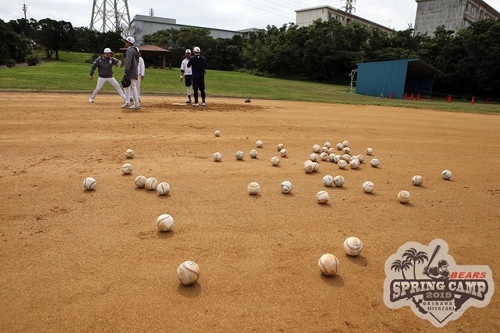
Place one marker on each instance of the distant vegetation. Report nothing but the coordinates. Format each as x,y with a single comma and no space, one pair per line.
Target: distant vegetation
326,51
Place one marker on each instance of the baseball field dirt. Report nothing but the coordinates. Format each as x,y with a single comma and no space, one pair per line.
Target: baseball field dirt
94,261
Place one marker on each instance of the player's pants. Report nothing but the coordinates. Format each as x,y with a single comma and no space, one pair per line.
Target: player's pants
100,83
131,91
139,80
199,83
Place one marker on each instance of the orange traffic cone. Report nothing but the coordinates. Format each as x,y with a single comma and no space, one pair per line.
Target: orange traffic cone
390,94
418,97
406,95
472,100
487,101
411,97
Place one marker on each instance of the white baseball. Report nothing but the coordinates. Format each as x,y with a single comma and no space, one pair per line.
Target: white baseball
316,148
374,162
151,183
165,222
140,181
217,133
324,149
417,180
368,186
361,158
259,144
404,196
446,174
129,153
354,163
275,161
217,156
342,164
280,146
327,145
353,246
328,264
313,157
338,181
346,150
345,143
89,183
284,152
323,156
337,158
331,158
286,187
127,168
346,157
322,197
328,180
331,150
163,188
315,166
309,167
369,151
253,153
188,272
239,155
340,146
253,188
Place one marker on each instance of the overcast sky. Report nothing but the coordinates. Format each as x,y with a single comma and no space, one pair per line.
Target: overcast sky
222,14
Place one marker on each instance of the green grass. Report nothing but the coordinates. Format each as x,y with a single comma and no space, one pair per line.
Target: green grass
71,74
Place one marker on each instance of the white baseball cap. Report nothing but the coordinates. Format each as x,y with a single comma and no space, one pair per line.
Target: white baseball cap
188,51
196,49
130,39
107,50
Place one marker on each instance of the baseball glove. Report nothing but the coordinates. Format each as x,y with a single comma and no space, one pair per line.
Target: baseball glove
125,81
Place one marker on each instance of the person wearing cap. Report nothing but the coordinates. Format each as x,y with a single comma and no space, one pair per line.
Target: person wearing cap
132,72
198,63
187,73
104,65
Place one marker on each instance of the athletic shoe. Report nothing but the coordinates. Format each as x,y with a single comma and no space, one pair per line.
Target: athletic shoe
91,100
196,104
125,105
203,104
188,101
135,106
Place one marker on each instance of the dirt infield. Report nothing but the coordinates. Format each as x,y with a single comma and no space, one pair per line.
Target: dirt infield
93,261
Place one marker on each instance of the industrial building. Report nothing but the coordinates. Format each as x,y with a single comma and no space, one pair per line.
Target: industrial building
453,14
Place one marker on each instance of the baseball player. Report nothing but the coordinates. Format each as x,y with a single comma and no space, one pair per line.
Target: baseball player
438,273
187,73
141,69
104,65
132,72
198,64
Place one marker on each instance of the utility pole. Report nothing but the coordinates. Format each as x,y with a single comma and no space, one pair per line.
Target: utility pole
109,15
25,10
349,6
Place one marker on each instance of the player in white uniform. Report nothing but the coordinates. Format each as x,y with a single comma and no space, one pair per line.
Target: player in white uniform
187,73
104,65
142,71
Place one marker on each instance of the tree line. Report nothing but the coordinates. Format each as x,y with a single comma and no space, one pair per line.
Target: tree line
326,51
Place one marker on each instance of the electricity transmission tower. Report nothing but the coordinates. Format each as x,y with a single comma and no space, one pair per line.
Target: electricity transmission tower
110,15
349,6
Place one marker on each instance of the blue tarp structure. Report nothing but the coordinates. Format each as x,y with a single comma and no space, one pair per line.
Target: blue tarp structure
398,77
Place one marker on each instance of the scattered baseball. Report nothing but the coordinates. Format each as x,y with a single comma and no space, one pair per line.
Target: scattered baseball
446,174
323,156
316,148
340,146
337,158
188,272
315,166
280,146
313,157
374,162
369,151
253,188
253,153
331,158
275,161
308,167
361,158
328,180
368,187
328,264
322,197
151,183
342,164
324,149
286,187
327,145
259,144
165,222
284,152
89,183
354,163
127,168
346,150
163,188
217,133
239,155
217,156
338,181
129,153
417,180
346,157
353,246
345,143
140,181
404,196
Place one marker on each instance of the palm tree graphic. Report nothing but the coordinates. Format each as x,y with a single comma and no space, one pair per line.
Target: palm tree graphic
417,257
401,266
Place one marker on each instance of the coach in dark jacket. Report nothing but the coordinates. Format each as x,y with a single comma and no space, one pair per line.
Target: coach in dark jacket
198,65
131,61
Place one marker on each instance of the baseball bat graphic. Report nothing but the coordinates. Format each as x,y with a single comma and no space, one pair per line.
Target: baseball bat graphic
436,250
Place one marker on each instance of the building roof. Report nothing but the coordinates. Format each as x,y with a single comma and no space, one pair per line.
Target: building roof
416,66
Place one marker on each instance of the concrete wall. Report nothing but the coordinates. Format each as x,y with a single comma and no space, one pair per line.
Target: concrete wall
305,18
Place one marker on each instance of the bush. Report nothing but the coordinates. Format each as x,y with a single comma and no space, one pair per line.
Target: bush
10,63
32,60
